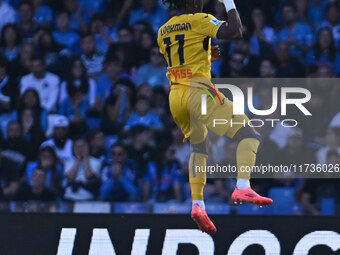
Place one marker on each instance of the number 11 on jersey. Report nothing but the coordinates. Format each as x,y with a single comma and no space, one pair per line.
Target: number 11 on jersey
180,38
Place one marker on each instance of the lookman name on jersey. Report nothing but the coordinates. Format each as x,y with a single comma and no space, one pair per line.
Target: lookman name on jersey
175,27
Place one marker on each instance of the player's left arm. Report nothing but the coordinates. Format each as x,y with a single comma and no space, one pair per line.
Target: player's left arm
233,29
212,27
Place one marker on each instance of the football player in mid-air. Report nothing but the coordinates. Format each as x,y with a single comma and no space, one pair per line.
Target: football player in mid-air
186,45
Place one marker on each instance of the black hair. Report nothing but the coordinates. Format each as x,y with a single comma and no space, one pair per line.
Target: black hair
50,150
111,59
330,6
125,27
292,5
71,88
119,144
4,30
64,11
85,35
177,4
92,134
26,3
38,58
332,50
37,109
138,129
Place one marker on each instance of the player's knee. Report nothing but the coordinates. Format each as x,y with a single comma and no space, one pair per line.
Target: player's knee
247,132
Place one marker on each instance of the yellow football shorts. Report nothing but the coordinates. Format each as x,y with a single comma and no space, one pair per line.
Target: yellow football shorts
185,106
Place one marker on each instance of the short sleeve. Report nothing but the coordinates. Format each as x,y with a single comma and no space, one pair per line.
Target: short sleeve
208,25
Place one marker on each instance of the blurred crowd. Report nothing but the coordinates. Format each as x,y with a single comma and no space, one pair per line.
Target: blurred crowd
84,99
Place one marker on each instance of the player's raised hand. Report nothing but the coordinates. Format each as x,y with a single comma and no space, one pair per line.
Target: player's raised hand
215,53
229,4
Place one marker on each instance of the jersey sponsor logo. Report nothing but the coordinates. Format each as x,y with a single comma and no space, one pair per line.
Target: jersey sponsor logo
175,27
216,22
181,73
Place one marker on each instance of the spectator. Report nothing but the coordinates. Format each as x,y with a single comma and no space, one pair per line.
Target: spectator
314,190
120,178
23,65
323,71
153,73
117,107
15,140
54,57
64,36
9,177
10,41
26,24
234,68
79,20
288,66
106,82
37,190
302,8
8,89
112,23
7,14
160,105
150,12
297,34
332,142
82,173
295,152
77,97
267,68
97,143
269,151
47,84
316,12
321,109
47,161
164,178
182,150
43,14
324,51
30,100
91,7
103,40
92,60
263,36
332,22
143,116
147,40
31,131
140,149
250,62
60,142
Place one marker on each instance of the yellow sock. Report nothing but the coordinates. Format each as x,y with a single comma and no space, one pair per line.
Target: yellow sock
197,179
246,156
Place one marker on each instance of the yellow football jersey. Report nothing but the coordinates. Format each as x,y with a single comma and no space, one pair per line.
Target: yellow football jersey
186,45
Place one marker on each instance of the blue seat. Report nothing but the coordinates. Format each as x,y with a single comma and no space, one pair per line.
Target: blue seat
249,209
284,200
217,208
172,208
130,208
328,206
